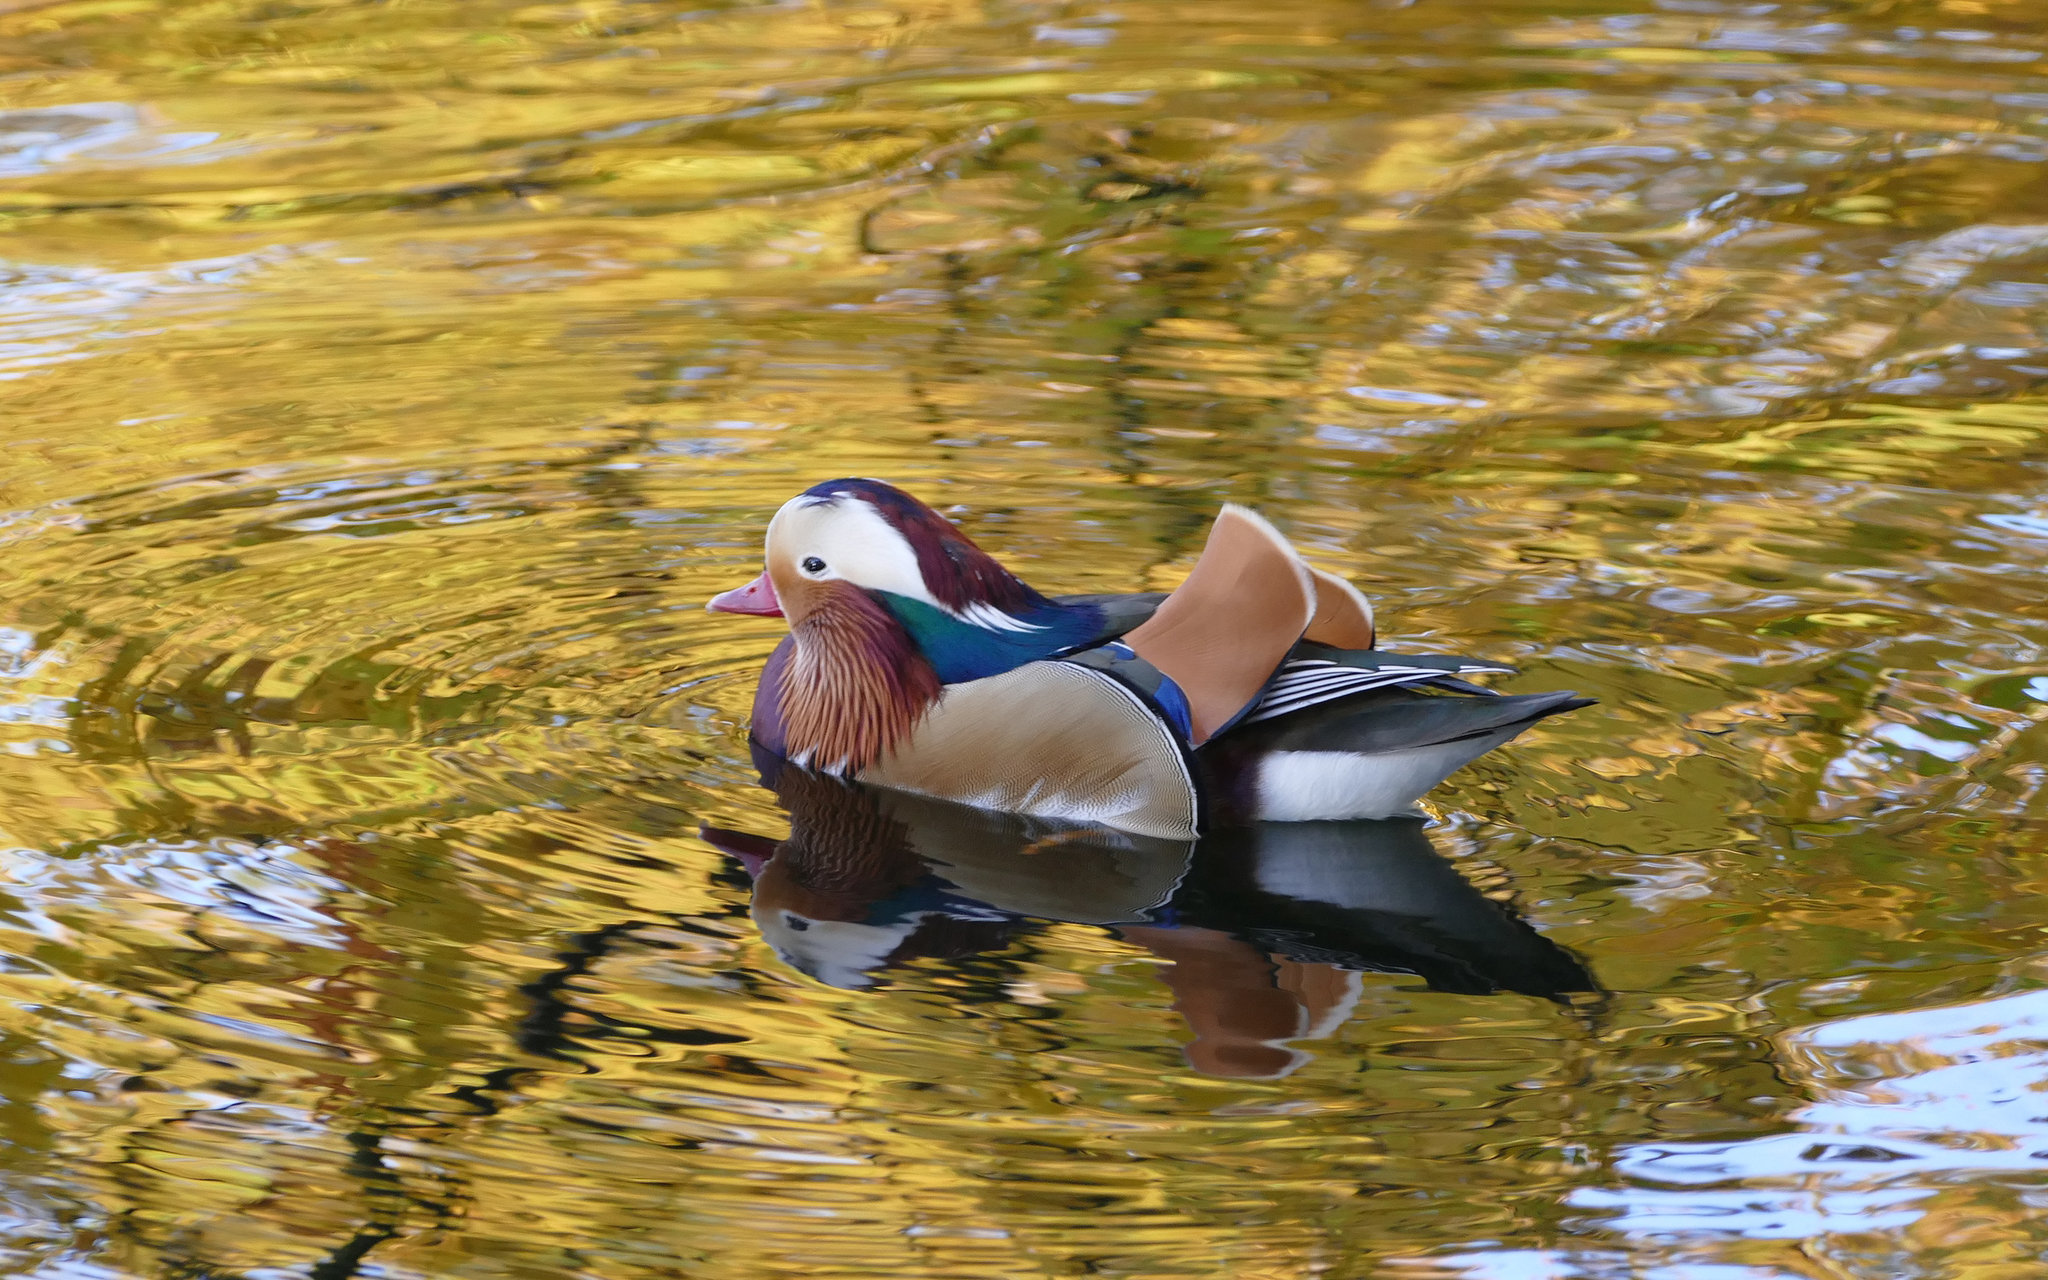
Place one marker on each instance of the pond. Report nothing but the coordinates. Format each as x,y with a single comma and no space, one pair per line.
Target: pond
387,890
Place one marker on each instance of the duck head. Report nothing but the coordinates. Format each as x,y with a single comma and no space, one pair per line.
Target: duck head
887,602
873,536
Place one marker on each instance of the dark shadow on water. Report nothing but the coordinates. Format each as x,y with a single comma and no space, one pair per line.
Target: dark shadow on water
1267,927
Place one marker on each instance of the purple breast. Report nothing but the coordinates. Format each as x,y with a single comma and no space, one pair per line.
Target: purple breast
768,731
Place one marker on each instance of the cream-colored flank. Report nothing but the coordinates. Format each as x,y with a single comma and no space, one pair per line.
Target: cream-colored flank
1052,739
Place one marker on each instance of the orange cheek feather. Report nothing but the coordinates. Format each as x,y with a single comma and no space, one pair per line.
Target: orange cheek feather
856,684
800,596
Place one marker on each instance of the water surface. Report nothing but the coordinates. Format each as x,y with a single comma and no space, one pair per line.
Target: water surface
387,891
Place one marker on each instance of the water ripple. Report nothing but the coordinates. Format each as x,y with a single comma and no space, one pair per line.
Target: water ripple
385,887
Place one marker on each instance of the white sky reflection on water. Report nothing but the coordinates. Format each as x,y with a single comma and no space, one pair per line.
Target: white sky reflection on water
1905,1103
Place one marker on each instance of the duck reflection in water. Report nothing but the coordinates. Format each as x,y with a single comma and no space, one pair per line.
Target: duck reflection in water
1266,927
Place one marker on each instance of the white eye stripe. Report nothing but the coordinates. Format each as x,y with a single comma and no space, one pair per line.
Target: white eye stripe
854,542
851,541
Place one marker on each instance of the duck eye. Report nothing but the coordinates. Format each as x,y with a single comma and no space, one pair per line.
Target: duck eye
813,565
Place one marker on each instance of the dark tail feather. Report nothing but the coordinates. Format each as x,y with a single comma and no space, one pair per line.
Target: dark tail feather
1542,706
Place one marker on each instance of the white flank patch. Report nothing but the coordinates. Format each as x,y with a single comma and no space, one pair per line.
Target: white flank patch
1310,786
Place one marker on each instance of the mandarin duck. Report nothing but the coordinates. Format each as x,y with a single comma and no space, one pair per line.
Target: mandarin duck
1252,692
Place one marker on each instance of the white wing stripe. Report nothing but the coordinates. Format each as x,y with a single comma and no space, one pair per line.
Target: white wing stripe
994,619
1306,682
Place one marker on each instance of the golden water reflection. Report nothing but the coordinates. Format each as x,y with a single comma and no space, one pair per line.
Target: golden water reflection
387,385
